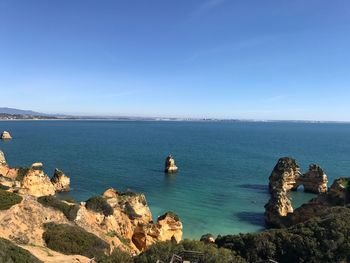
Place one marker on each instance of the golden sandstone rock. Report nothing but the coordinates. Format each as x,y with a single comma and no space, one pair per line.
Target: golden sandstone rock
5,135
36,183
285,177
170,166
60,181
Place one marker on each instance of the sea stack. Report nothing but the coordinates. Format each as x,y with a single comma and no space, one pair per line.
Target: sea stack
170,166
5,135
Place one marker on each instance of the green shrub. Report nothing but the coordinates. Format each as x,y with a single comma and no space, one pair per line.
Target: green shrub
22,171
117,256
8,199
71,240
165,250
159,251
325,239
99,205
70,211
11,253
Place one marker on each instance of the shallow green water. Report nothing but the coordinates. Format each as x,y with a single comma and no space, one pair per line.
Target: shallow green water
221,186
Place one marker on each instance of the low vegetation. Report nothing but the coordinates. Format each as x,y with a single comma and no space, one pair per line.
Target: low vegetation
70,240
11,253
22,171
99,204
69,210
325,239
165,250
8,199
117,256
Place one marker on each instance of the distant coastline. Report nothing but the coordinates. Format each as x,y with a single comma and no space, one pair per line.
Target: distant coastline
100,118
11,114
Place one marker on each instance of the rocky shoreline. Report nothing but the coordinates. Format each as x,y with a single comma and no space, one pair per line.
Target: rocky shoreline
33,218
121,219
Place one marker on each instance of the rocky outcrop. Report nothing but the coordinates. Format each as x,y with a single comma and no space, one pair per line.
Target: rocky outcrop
168,227
279,211
278,206
36,183
282,179
286,176
5,171
33,180
130,226
2,158
60,181
5,135
170,166
314,180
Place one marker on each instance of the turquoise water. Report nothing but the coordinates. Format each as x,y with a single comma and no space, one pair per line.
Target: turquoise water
221,186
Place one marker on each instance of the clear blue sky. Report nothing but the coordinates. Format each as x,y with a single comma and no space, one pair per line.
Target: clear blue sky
181,58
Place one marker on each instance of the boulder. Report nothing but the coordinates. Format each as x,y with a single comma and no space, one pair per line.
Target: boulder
5,135
60,181
170,166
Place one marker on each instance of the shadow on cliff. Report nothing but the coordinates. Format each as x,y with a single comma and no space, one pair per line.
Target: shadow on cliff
260,188
254,218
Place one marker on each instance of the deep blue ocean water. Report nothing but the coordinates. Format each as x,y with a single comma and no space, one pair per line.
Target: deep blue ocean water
221,186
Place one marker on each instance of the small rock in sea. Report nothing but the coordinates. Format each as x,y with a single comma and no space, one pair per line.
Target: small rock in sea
5,135
37,166
170,166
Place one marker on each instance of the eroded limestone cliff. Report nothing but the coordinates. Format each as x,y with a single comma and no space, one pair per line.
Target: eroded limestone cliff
122,219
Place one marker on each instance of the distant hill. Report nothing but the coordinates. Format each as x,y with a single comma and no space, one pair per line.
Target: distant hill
21,112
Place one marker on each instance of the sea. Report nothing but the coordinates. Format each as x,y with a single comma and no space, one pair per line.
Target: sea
221,185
